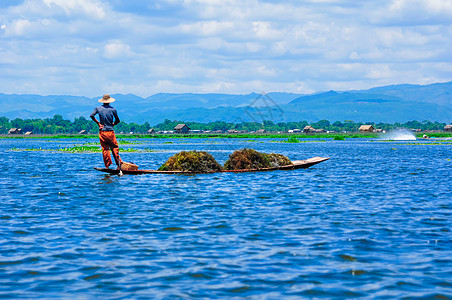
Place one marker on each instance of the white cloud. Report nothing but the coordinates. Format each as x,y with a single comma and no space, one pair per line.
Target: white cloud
428,6
20,27
95,9
379,72
415,12
207,28
88,7
116,50
264,30
223,46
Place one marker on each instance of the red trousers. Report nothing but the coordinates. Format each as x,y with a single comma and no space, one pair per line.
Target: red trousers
108,142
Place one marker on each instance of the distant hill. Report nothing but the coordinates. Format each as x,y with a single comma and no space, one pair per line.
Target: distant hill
438,93
384,104
394,103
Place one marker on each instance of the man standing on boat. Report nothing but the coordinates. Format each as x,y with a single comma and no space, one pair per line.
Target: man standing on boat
108,117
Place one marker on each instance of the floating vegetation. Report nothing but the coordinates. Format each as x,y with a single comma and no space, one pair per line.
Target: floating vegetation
88,144
429,143
191,161
252,159
357,272
124,142
338,138
82,149
292,139
348,257
298,141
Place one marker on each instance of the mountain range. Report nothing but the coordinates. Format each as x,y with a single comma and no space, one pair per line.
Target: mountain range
394,103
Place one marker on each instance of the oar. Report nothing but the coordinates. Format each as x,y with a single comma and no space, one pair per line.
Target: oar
120,169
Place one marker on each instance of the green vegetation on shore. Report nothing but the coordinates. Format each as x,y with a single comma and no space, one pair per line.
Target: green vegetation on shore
66,128
289,136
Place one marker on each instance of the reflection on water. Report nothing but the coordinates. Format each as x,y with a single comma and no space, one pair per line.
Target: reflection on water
107,179
373,221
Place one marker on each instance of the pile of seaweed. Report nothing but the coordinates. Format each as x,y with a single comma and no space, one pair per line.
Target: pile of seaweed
252,159
203,162
191,161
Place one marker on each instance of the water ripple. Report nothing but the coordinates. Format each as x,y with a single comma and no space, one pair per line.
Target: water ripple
372,222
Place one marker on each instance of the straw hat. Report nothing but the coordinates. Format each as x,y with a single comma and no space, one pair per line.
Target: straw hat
107,99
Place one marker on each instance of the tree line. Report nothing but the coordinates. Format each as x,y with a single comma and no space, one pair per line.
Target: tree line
59,125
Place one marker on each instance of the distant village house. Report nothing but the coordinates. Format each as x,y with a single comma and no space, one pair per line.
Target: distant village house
366,128
151,131
29,133
310,129
15,131
448,128
181,128
83,132
294,130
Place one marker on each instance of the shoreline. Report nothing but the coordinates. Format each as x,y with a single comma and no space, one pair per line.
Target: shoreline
224,135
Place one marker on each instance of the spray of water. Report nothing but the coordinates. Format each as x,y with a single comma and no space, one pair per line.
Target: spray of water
399,135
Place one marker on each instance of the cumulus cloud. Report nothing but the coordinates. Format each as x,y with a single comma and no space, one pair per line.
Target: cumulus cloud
116,50
20,27
415,12
91,8
229,46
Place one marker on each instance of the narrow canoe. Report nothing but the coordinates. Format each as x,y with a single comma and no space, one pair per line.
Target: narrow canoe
297,164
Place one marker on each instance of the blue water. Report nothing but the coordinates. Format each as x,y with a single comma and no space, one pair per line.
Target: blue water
374,221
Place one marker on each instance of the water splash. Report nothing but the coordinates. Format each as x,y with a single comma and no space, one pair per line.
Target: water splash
399,135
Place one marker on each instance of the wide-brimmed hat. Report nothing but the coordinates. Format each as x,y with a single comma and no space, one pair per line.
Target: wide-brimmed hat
107,99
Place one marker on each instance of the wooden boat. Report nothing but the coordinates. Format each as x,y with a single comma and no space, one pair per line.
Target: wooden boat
296,164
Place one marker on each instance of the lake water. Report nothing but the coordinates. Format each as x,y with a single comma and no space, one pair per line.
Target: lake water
374,221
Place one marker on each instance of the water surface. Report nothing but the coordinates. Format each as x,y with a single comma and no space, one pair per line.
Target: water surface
374,221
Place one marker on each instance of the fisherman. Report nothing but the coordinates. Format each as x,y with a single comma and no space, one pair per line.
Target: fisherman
108,117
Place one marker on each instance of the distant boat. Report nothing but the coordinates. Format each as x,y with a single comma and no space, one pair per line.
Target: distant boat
296,164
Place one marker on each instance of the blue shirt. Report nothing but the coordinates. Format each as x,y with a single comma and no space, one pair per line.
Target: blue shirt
107,116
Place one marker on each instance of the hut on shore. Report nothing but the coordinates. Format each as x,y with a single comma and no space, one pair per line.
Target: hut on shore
151,131
15,131
181,128
28,133
366,128
448,128
310,129
83,132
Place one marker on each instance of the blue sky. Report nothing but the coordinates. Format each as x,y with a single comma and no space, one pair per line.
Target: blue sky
90,47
